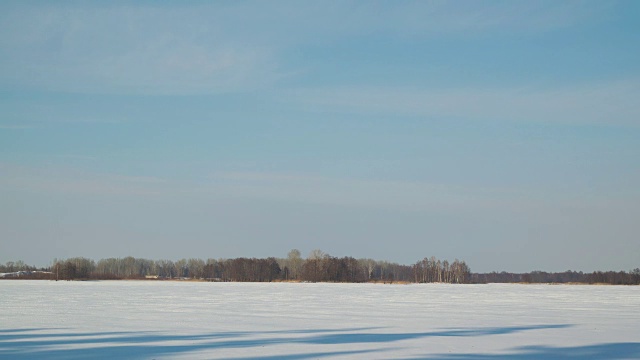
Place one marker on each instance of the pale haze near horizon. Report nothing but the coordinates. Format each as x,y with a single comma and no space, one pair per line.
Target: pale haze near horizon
505,134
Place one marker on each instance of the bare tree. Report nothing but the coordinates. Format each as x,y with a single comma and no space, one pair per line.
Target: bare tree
294,263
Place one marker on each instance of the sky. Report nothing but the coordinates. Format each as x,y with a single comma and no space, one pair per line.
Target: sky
502,133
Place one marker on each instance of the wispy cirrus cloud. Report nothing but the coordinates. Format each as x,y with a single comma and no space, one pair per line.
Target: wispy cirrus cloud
335,191
43,122
473,19
76,157
16,127
362,193
216,48
71,180
256,186
127,50
612,103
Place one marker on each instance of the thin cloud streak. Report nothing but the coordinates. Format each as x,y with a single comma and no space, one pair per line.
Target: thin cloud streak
411,196
278,187
148,49
77,157
17,127
70,180
609,104
138,55
397,195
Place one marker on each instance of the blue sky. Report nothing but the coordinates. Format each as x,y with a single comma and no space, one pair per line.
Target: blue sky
504,133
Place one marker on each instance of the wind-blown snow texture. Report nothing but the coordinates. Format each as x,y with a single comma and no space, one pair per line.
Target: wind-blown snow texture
161,319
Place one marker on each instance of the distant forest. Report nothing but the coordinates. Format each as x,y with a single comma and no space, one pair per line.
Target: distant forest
317,267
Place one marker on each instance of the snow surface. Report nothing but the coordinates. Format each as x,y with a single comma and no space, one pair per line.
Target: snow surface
164,319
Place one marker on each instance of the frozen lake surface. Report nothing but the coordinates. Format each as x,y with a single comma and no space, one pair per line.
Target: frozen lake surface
162,319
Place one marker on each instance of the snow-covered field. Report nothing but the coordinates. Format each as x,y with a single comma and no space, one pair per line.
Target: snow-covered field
162,319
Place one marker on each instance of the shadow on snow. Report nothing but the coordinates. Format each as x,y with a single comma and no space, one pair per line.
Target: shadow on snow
609,351
42,343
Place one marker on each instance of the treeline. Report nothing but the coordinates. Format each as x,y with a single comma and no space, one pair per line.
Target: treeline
15,266
317,267
542,277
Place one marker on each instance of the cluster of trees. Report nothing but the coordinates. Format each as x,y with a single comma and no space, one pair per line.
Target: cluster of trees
317,267
434,270
539,277
15,266
611,277
18,269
